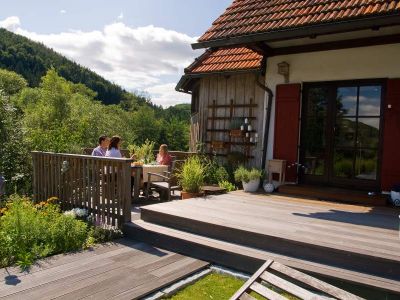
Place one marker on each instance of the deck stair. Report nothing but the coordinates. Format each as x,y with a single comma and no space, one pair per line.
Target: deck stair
334,194
243,232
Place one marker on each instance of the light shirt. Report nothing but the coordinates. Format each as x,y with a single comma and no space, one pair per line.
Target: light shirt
99,151
113,152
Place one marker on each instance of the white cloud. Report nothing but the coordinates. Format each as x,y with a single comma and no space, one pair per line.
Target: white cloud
136,58
63,11
10,23
121,16
166,95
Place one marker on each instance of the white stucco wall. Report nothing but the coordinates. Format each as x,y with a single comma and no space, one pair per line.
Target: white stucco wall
347,64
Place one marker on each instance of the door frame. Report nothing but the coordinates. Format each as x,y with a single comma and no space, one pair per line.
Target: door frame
328,178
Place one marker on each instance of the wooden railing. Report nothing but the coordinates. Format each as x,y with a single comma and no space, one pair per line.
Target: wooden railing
101,185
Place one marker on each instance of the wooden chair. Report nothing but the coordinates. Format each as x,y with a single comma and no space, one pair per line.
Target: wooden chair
281,277
166,182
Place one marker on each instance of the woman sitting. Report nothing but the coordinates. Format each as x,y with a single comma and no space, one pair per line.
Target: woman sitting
114,147
163,157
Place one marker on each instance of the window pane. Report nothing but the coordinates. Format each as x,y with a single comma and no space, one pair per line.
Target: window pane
317,101
366,164
314,133
345,132
314,162
346,102
368,132
343,163
369,101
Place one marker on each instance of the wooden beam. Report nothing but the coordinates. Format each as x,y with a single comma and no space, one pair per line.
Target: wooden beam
343,44
261,48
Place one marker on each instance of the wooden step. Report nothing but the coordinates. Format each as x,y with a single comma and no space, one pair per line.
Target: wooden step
362,259
334,194
249,259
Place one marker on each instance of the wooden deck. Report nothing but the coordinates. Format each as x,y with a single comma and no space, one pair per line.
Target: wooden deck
123,270
353,243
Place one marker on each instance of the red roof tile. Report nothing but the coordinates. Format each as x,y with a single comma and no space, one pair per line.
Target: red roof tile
226,59
246,17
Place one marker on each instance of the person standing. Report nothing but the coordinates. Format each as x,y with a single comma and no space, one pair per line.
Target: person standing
101,149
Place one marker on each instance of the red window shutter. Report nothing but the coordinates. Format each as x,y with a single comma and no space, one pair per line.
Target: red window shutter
286,137
390,171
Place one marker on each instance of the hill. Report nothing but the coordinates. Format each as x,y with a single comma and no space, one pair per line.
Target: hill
32,60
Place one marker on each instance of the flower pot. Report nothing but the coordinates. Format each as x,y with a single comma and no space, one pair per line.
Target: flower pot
395,198
187,195
251,186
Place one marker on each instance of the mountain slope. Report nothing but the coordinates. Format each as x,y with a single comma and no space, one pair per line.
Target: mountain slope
32,60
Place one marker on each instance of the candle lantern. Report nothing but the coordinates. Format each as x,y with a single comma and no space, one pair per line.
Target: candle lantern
249,128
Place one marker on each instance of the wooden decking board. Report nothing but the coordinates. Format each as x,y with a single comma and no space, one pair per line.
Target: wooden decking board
235,207
247,259
329,193
195,222
112,271
268,219
78,272
56,261
162,281
232,215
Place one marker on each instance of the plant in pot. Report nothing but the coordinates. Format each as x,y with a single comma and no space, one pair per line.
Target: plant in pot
234,127
191,177
250,178
395,195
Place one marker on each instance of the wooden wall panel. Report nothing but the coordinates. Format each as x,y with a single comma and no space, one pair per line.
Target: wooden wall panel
240,88
390,171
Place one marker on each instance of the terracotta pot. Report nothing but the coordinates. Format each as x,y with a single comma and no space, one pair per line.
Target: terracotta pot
186,195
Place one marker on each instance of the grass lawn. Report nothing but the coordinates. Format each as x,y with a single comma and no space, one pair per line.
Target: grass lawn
213,286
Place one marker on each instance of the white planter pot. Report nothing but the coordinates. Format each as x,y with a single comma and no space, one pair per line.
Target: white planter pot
395,196
251,186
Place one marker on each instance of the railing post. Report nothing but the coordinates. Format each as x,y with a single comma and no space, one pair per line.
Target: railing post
127,192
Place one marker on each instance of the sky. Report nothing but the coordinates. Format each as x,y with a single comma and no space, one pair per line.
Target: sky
142,45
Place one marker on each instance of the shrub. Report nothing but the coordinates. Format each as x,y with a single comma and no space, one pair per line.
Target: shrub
246,175
213,172
191,176
144,153
29,231
228,186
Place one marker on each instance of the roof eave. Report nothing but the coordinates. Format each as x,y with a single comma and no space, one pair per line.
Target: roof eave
305,31
185,79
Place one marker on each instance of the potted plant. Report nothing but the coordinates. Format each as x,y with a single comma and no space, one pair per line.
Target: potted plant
250,178
395,195
191,178
234,127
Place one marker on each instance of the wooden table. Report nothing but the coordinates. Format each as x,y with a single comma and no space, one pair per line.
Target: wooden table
140,172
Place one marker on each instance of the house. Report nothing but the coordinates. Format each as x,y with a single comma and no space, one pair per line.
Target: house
317,81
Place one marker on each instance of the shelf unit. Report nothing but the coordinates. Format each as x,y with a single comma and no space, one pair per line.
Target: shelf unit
226,144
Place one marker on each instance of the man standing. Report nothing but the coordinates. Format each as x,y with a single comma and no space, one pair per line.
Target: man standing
101,149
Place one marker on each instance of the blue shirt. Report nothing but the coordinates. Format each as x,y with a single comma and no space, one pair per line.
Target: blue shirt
98,151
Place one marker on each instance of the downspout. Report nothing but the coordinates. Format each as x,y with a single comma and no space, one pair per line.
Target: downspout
268,120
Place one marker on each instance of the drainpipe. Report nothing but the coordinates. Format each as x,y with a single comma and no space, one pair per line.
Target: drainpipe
268,120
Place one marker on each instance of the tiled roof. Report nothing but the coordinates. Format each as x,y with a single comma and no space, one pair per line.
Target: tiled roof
226,59
246,17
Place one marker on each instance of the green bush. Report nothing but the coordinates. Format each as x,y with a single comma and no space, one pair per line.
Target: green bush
246,175
191,176
144,153
213,172
228,186
29,231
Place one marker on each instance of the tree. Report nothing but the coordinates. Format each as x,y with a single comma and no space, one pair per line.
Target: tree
11,83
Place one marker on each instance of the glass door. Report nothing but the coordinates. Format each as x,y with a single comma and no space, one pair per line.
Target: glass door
340,137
